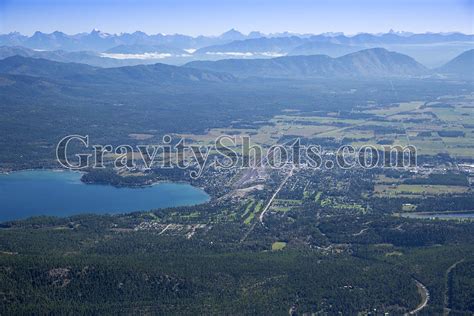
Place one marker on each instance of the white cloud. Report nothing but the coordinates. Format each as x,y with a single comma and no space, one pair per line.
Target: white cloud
137,56
247,54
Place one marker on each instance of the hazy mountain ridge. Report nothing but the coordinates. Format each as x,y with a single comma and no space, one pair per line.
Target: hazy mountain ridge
139,49
369,63
82,57
155,74
430,49
263,44
324,48
37,67
286,44
376,62
461,66
100,41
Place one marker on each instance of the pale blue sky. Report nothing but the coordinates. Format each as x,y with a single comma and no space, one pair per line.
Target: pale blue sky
213,17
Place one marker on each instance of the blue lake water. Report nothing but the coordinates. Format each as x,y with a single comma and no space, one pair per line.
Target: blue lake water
41,192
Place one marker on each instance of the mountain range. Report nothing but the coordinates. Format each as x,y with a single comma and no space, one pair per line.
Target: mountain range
375,62
82,57
155,74
431,49
364,64
100,41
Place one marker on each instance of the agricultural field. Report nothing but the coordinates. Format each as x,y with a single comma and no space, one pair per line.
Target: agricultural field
405,189
445,126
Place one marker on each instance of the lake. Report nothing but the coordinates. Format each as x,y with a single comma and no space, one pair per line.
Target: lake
61,193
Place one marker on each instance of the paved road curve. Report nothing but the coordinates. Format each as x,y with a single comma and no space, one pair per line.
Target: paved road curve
425,297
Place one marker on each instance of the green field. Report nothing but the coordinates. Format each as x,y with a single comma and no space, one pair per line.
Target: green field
416,189
278,245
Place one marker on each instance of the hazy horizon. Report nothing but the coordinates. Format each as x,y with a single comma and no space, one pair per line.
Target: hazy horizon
192,17
244,33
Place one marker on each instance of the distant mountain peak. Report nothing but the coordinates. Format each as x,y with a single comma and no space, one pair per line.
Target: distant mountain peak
232,34
399,33
99,33
231,31
139,33
255,34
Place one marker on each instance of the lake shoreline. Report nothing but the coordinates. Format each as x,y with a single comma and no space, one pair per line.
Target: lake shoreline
29,193
124,185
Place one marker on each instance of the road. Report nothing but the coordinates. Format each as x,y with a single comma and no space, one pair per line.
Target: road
268,205
165,229
446,309
361,232
425,297
275,194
